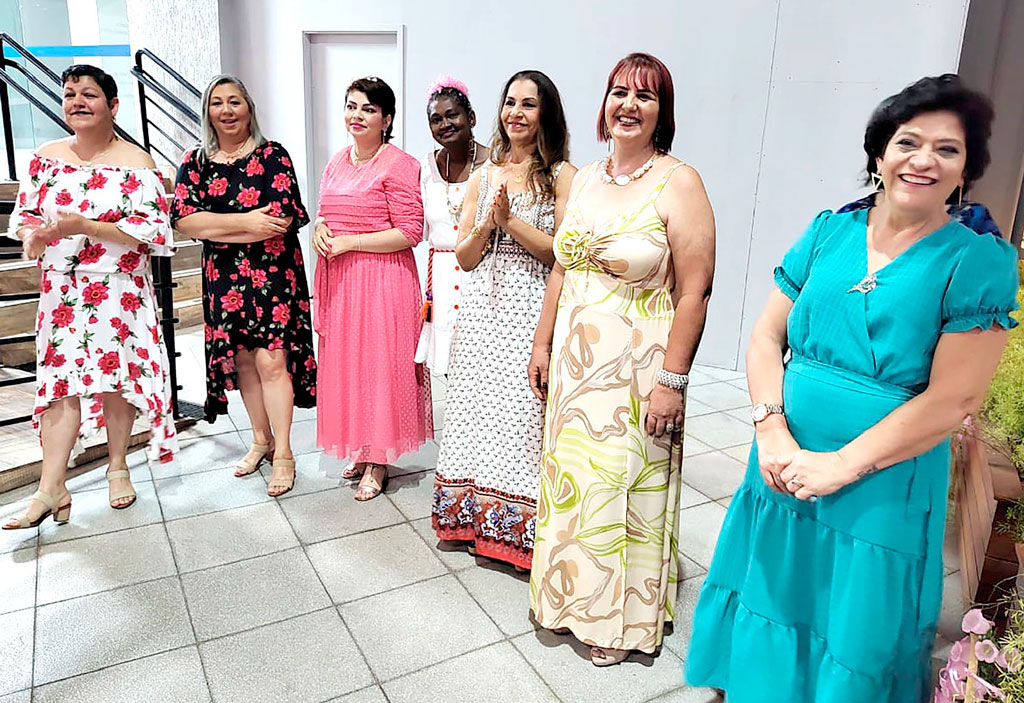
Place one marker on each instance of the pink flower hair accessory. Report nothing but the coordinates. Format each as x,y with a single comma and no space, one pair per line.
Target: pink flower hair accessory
446,81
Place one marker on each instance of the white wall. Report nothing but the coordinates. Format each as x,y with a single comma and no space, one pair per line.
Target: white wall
772,95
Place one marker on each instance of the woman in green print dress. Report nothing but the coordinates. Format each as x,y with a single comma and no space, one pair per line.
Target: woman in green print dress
827,578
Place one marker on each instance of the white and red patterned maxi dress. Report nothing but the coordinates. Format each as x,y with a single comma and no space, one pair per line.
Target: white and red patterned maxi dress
98,328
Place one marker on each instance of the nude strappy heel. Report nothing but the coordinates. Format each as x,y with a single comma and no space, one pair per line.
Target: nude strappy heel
123,493
279,486
58,506
245,467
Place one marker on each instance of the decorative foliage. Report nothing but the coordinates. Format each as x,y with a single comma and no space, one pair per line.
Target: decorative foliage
1003,411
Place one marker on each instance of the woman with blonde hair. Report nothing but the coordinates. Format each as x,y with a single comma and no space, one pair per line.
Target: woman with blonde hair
238,194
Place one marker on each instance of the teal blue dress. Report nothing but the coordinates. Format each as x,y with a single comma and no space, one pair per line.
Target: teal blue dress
837,601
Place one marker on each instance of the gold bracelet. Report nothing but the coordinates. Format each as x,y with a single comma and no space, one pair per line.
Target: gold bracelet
479,233
359,242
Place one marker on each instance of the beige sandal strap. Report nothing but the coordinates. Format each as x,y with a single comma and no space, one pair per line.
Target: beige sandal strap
124,493
285,463
257,447
51,502
118,473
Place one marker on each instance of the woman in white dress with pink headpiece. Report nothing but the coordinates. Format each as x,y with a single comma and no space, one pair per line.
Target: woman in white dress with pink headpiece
443,176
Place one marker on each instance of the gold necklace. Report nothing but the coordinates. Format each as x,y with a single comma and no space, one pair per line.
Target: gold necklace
517,174
356,159
455,210
229,156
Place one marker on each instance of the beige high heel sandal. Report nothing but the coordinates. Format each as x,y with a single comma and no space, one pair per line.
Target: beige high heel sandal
279,486
245,467
124,492
58,506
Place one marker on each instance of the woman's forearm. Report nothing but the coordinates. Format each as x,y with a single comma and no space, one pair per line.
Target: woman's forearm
910,430
549,310
108,232
533,240
684,336
213,225
382,242
469,250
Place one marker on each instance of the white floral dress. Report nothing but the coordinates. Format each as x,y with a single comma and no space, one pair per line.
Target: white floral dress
98,328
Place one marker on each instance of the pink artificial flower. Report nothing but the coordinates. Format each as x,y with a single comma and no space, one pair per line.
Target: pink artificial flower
986,651
1010,660
975,623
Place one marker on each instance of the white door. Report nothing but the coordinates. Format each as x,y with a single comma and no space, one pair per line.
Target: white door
333,60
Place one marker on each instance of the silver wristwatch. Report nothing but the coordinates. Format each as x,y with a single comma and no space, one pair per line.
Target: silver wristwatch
675,381
762,410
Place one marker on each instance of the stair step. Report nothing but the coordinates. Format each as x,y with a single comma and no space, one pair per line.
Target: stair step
190,284
9,190
188,312
17,317
19,277
189,254
18,354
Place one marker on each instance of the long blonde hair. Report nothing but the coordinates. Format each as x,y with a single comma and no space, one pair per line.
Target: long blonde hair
208,134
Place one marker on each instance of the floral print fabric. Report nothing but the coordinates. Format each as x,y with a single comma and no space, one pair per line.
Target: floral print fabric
97,326
255,295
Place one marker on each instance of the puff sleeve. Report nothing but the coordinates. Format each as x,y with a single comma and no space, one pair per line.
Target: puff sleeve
148,218
982,290
792,273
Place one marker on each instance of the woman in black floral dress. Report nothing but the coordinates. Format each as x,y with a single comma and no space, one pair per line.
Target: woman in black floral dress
238,193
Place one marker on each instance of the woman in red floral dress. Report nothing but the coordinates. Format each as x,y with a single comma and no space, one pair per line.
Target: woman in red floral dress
238,193
92,213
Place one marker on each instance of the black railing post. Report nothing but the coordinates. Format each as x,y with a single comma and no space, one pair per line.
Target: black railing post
164,284
5,108
142,105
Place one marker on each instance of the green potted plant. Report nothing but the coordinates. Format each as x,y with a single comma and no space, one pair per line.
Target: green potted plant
1002,415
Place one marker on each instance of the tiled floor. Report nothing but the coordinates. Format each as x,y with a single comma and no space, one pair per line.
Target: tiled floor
207,589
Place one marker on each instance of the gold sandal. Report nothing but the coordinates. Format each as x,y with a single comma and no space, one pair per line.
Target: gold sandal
124,492
58,506
279,486
244,468
368,492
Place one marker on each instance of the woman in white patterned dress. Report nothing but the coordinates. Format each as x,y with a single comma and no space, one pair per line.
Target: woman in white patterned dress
485,489
444,174
92,212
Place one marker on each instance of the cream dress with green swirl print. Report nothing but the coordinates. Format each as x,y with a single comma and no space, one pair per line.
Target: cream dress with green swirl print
604,564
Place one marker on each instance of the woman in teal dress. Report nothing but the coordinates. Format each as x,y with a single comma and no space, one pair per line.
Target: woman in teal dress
827,577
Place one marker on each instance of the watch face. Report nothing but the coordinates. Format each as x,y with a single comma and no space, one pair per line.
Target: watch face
758,412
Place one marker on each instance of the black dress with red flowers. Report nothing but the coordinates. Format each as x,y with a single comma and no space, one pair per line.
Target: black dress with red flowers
255,295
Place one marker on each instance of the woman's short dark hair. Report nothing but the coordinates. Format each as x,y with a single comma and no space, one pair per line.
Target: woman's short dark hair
103,79
934,94
380,94
647,71
552,133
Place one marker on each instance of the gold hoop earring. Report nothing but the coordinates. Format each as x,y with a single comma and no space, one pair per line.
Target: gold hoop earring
876,181
960,196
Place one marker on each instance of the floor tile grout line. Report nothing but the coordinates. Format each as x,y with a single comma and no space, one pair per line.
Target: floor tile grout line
111,666
335,606
181,588
35,621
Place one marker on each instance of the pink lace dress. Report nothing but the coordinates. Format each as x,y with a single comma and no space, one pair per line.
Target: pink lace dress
98,329
373,399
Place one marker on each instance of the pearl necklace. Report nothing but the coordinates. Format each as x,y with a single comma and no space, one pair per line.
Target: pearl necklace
356,159
624,179
455,210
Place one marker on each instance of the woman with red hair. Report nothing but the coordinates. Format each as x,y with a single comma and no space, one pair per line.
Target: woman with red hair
623,313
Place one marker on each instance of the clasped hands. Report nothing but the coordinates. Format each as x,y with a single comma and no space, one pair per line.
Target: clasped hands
329,246
806,475
34,243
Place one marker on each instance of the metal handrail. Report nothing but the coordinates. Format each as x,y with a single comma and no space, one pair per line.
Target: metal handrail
170,71
11,63
144,78
54,117
28,56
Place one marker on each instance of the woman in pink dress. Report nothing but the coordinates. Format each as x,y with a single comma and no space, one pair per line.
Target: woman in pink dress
373,400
